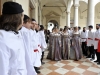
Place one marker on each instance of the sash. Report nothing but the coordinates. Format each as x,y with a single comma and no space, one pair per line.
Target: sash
36,50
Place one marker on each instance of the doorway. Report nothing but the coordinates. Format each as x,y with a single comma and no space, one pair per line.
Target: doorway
52,24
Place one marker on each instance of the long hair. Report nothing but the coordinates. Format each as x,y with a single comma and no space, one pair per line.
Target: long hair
41,27
10,22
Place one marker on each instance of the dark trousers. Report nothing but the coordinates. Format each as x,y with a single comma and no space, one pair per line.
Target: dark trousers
98,53
42,56
84,48
36,69
92,52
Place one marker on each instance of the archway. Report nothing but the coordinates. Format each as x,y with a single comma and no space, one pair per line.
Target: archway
52,24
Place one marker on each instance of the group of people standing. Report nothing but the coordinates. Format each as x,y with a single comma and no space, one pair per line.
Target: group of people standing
74,43
65,44
22,42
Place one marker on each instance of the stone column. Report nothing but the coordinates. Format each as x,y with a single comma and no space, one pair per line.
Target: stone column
90,13
36,12
40,16
68,19
76,14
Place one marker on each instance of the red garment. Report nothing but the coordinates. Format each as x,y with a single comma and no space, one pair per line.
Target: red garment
90,39
98,50
36,50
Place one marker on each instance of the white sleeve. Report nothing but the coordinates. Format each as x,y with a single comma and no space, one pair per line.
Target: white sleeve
43,42
87,34
81,35
4,59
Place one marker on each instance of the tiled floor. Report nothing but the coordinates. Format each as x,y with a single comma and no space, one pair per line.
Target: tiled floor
69,67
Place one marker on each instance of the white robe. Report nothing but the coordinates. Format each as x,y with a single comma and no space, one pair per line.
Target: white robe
80,31
13,56
97,35
38,39
34,46
90,35
27,43
43,42
84,35
26,38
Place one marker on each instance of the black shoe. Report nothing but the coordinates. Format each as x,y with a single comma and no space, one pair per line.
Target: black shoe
38,68
98,63
38,72
42,63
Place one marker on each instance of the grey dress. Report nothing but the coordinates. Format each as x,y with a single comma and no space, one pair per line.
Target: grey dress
65,46
76,51
55,50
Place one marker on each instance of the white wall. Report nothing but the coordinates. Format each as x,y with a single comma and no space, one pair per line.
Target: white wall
25,5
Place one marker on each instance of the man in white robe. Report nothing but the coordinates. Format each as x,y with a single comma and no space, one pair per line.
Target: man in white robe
43,42
96,41
34,45
90,42
25,32
84,36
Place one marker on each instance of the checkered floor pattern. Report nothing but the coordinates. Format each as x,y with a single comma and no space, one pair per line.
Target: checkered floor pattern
69,67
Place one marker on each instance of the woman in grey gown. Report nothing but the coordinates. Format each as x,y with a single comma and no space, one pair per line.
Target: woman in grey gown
50,48
76,52
65,44
55,50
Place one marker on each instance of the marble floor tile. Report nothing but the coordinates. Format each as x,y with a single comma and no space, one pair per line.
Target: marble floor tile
59,64
69,67
61,71
93,69
78,70
89,73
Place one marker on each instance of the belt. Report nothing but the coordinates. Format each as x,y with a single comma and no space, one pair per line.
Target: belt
97,39
90,38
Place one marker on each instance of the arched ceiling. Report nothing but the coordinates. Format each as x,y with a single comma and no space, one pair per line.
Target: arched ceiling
66,6
58,4
45,2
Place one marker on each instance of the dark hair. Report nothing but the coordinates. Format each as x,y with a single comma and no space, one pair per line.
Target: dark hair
65,29
75,28
41,27
33,19
98,24
84,27
10,22
90,26
79,27
61,29
26,19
